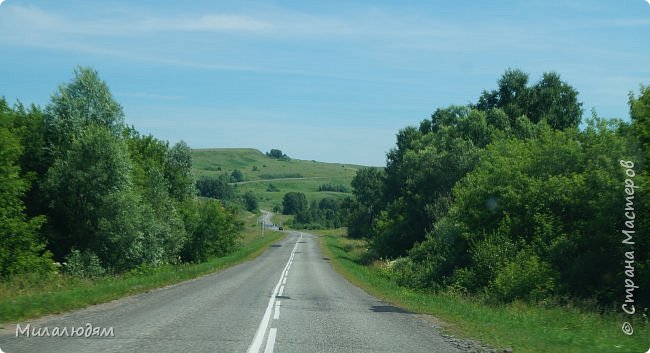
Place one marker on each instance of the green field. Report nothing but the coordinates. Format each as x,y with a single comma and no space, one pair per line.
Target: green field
256,166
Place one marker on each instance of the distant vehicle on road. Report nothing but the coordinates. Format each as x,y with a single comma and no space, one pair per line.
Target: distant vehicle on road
280,228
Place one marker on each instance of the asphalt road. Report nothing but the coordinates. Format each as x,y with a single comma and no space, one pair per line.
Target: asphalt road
287,300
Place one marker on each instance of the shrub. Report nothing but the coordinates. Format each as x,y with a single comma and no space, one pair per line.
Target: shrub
527,278
333,187
83,264
214,232
217,188
250,201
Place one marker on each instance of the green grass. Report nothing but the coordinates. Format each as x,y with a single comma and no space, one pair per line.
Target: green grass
208,161
27,298
526,328
309,187
217,161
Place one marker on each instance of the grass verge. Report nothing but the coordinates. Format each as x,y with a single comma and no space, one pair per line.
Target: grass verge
26,298
525,328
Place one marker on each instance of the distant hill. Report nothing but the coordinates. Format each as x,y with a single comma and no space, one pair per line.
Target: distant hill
261,171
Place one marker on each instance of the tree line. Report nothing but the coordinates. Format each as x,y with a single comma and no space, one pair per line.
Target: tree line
327,212
82,191
510,198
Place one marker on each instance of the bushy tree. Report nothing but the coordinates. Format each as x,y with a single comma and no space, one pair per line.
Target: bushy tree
237,176
421,172
216,188
294,202
213,231
333,187
114,199
640,135
162,228
555,199
178,172
556,102
640,115
549,99
325,213
21,249
277,154
367,188
34,161
87,189
250,201
84,101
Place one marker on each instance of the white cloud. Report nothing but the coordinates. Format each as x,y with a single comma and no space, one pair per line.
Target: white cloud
147,95
392,38
207,23
33,19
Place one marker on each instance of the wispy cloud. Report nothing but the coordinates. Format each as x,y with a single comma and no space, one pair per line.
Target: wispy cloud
390,37
31,18
148,95
276,23
207,23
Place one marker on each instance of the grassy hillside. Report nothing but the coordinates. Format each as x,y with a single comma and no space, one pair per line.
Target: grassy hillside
257,168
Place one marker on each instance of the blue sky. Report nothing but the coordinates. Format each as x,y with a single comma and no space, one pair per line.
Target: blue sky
326,80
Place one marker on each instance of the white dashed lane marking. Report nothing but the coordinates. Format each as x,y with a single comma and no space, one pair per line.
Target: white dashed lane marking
278,290
276,314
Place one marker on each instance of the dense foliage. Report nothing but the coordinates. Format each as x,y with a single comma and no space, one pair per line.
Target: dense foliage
324,213
216,188
277,154
81,188
508,197
333,187
22,248
294,203
237,176
250,201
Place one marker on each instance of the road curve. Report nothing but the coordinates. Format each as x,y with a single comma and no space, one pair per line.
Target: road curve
287,300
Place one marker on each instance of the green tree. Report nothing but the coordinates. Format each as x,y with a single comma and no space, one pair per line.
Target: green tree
274,153
21,249
546,206
86,189
294,202
162,228
367,188
214,232
237,176
216,188
640,115
250,201
325,213
556,102
512,94
550,99
277,154
640,136
84,101
178,172
420,174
